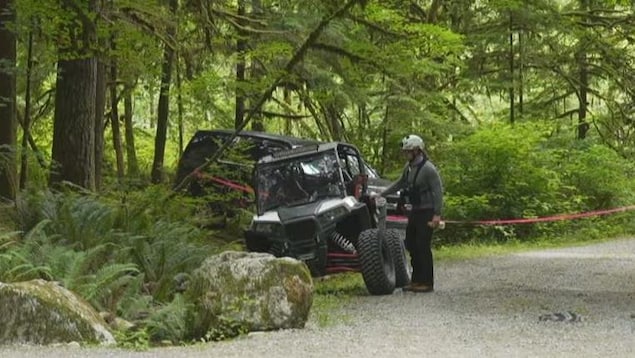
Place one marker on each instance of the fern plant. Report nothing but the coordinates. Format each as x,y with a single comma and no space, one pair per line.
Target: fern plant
121,253
22,260
168,322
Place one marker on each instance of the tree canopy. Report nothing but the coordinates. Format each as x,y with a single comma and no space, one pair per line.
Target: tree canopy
374,71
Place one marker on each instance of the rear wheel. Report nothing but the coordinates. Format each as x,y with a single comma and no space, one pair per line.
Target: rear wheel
377,266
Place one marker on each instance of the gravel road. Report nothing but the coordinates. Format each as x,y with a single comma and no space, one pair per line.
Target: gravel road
488,307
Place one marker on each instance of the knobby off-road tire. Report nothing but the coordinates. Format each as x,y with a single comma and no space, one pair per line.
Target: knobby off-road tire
377,266
398,252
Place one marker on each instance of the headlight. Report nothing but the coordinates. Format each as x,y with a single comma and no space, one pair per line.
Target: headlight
331,215
267,228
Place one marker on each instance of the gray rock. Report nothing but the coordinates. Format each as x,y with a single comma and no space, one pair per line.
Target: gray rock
253,290
42,312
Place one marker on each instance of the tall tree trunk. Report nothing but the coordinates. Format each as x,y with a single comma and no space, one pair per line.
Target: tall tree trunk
8,119
74,124
583,125
581,57
114,118
241,47
26,126
100,98
255,70
131,154
433,12
511,69
333,115
384,139
163,110
100,107
521,69
179,102
152,107
75,105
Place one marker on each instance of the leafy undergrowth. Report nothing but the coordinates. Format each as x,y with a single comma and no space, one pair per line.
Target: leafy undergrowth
123,252
6,221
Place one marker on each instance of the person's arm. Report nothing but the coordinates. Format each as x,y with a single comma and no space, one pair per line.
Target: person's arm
436,187
395,186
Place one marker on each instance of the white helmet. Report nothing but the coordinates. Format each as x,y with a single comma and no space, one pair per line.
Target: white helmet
412,142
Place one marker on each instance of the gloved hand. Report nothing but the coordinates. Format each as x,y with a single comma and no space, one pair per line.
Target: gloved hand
436,222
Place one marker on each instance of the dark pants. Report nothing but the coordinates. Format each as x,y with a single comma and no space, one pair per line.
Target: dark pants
418,243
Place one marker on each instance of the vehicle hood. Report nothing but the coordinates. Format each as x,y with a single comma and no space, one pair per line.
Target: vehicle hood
284,214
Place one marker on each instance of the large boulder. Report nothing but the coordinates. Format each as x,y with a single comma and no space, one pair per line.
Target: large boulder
42,312
256,291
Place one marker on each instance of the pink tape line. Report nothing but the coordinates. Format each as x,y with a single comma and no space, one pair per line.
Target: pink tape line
398,218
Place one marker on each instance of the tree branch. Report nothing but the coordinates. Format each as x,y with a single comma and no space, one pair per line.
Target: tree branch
235,17
354,57
340,51
295,59
456,110
376,27
133,18
284,115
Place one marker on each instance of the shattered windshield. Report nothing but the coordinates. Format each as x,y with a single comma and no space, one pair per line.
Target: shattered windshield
298,181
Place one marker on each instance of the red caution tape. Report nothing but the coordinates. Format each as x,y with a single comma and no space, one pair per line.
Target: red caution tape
403,219
225,182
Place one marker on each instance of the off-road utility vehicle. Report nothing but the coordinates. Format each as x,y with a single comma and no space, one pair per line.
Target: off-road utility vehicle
313,204
232,173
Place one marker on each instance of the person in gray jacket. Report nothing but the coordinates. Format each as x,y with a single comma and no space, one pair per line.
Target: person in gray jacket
422,186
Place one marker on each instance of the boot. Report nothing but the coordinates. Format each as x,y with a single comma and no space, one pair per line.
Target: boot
420,287
408,287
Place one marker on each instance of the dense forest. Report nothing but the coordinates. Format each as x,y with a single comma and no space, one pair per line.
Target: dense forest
525,106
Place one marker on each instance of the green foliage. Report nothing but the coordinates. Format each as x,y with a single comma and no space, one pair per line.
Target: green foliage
135,339
601,178
341,284
22,262
522,171
501,167
226,328
40,255
122,254
168,322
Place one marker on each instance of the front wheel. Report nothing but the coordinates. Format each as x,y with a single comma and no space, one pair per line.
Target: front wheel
376,261
398,251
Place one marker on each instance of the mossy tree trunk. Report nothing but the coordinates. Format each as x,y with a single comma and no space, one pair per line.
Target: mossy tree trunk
8,121
131,153
100,105
114,116
73,151
163,110
583,79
